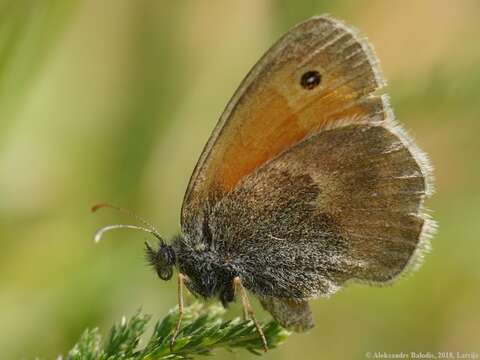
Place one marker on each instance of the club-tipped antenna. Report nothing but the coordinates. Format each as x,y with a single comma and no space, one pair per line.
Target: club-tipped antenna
148,227
99,233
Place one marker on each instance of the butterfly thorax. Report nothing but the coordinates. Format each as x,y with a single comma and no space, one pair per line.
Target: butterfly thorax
208,273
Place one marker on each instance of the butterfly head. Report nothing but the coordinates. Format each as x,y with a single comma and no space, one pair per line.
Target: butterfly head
162,259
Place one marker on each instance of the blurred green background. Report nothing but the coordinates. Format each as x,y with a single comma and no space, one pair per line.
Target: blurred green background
113,101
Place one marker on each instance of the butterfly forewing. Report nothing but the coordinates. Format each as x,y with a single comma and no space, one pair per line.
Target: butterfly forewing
273,109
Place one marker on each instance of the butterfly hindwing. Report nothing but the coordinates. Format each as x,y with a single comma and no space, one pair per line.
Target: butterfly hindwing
344,204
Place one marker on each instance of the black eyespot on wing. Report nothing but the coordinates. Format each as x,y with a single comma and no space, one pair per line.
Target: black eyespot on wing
311,79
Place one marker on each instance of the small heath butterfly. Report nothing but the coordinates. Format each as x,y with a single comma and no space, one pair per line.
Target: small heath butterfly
307,183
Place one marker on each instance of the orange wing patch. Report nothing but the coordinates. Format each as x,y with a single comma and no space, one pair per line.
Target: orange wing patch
256,141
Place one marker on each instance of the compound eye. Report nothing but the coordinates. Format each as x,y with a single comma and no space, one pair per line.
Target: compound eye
165,273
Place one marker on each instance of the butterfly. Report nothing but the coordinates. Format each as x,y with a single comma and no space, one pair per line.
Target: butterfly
307,183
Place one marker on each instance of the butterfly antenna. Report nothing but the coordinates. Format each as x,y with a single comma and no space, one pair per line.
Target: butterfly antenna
99,233
148,227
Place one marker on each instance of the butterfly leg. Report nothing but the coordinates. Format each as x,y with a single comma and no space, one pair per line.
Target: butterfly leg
247,310
181,279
